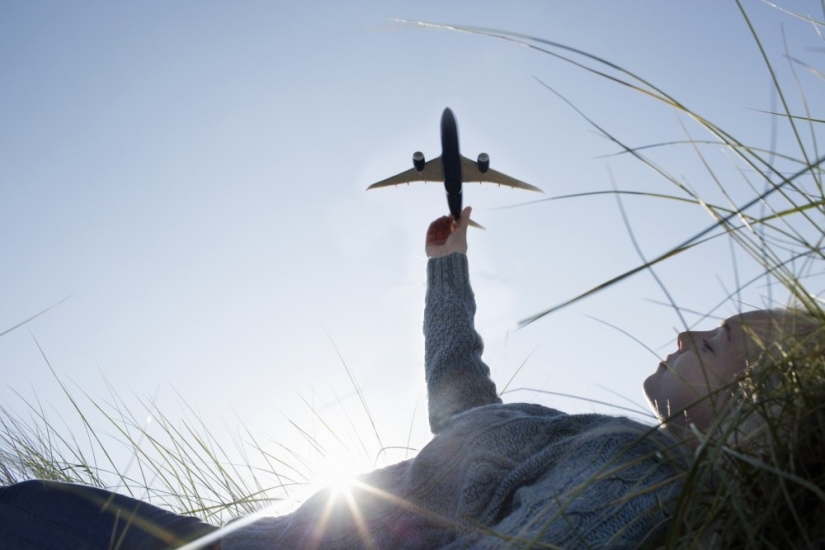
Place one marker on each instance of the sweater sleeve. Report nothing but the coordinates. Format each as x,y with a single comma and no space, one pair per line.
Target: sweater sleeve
457,378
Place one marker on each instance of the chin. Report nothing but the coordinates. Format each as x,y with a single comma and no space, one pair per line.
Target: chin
648,386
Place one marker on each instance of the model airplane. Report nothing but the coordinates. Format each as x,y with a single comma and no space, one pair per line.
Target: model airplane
453,169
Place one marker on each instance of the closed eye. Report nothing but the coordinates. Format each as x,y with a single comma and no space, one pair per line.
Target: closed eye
706,345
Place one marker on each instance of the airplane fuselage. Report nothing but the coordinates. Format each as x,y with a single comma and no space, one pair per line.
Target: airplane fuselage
451,162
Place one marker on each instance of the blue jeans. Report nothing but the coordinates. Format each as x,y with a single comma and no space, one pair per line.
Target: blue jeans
53,515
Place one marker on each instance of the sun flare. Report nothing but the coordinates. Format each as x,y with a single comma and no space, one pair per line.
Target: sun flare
338,473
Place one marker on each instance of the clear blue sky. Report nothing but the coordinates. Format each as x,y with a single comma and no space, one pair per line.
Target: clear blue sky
192,176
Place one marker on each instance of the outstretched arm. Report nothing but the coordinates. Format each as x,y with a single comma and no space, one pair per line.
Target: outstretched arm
457,378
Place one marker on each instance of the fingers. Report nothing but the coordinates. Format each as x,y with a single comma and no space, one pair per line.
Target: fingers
440,226
439,230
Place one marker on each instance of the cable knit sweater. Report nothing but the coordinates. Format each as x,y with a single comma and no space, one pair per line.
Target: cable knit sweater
494,475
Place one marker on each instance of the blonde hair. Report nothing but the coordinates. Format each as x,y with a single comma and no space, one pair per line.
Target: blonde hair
758,479
778,383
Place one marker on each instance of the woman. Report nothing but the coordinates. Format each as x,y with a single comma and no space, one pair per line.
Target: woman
494,475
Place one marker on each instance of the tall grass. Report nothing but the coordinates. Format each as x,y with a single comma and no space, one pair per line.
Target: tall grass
736,495
780,225
176,462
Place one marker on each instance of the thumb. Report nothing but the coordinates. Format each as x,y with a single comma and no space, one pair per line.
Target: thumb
464,220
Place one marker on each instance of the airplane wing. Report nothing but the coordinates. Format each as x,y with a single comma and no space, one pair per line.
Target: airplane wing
432,171
471,173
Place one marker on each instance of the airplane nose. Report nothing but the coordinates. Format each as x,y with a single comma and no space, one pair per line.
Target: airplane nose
447,118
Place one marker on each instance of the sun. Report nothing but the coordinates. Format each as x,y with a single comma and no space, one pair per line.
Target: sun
337,473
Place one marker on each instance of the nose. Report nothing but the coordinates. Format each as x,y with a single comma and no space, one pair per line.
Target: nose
685,340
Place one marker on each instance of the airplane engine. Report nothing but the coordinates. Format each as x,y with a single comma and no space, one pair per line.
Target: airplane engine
418,160
483,162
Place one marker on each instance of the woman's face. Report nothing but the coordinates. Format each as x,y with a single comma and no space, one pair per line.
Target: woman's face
704,361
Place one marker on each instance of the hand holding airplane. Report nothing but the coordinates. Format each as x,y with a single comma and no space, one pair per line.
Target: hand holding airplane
453,169
445,235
